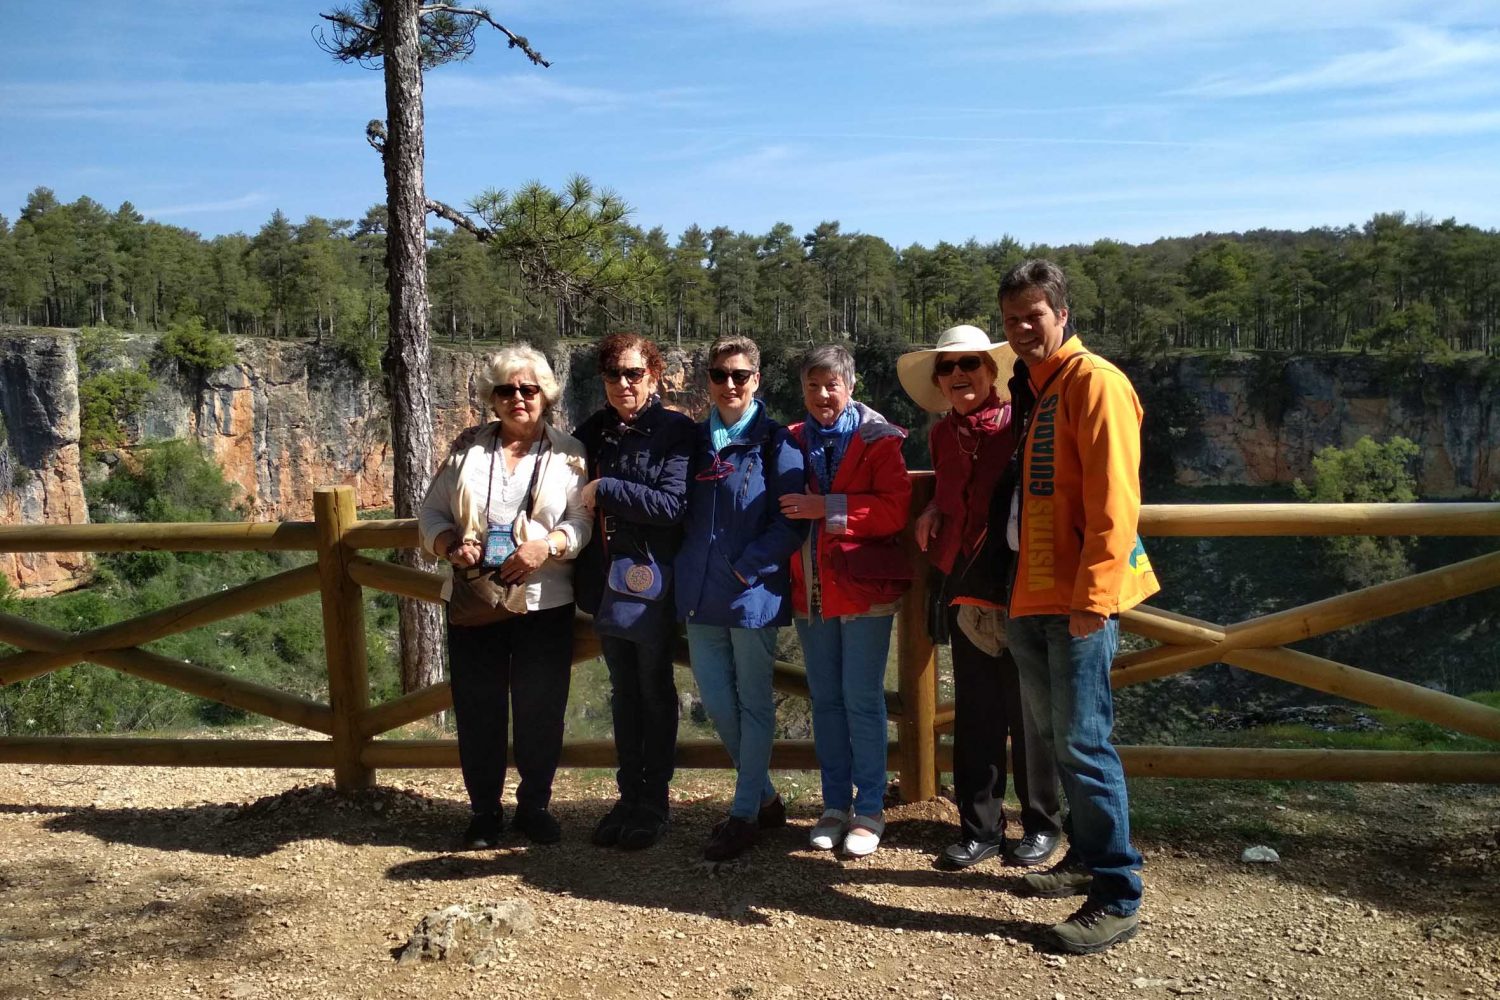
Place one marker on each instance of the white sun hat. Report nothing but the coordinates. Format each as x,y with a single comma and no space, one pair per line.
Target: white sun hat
914,368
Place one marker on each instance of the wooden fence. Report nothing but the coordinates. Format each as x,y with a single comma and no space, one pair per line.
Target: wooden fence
355,749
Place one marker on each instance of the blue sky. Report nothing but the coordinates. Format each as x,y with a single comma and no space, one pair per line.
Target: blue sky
916,121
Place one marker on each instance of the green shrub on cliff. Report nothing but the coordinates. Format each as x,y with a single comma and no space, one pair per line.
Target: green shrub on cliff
1366,473
195,346
106,401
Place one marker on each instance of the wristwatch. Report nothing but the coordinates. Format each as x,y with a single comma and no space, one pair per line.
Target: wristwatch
553,549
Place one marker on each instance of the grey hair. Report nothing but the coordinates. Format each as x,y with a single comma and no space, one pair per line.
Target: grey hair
832,357
1037,273
500,366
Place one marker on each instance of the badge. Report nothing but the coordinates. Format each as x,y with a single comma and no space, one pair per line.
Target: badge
639,578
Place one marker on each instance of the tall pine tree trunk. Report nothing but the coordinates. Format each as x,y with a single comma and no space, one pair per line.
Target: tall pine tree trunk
406,355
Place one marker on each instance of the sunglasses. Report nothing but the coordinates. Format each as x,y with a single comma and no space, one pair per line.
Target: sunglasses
719,469
631,375
969,364
528,391
721,375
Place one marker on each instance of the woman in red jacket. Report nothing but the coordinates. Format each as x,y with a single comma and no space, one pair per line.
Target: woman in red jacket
845,584
971,447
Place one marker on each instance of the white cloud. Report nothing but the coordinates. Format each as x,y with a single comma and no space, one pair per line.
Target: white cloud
1418,53
203,207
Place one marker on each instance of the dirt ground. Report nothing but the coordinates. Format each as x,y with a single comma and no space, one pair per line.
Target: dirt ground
154,882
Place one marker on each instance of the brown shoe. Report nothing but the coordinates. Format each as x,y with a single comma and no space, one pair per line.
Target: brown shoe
772,816
731,839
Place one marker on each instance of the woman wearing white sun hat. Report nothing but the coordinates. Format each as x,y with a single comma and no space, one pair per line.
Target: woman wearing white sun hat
964,377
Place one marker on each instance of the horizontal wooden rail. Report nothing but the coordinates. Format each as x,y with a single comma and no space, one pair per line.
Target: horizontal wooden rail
1254,763
190,678
399,534
1332,677
126,751
167,621
284,536
1320,617
403,581
1318,519
406,709
1241,763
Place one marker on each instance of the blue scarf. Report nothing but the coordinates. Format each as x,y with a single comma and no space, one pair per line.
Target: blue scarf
826,445
719,435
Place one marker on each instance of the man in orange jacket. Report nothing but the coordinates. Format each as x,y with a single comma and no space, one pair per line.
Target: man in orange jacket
1078,564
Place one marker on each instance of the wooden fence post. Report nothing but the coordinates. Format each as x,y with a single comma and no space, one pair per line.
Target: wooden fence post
917,663
343,636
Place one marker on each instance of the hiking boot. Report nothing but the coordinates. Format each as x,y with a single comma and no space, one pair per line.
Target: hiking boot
1094,928
539,826
645,827
731,839
969,852
1033,849
1066,878
483,831
607,833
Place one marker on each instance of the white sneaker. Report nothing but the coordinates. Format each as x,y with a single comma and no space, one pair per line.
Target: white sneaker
864,836
829,829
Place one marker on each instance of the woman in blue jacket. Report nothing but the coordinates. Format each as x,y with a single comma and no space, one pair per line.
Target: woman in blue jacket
733,580
638,457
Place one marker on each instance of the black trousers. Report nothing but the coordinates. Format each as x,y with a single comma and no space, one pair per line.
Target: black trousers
988,709
643,702
525,664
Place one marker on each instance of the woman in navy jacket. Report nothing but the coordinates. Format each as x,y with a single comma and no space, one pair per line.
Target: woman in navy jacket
733,580
638,457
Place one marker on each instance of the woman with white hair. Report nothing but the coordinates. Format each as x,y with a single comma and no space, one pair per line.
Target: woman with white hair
506,511
846,581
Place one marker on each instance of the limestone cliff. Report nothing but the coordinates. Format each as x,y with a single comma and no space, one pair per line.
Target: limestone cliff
288,416
39,474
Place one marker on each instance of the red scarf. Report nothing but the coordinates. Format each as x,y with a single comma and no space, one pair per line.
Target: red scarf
969,454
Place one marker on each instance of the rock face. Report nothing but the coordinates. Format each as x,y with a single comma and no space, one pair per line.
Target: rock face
287,417
1250,421
39,475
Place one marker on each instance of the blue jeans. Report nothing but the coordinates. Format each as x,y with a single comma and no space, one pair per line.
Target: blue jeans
845,660
733,669
1065,681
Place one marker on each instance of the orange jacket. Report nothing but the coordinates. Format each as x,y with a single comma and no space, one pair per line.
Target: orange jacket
1081,491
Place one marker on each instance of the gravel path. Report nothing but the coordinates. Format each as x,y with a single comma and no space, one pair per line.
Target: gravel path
154,882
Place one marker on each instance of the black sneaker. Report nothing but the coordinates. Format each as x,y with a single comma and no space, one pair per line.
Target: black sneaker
968,853
772,816
646,825
1033,849
539,826
483,831
607,833
731,839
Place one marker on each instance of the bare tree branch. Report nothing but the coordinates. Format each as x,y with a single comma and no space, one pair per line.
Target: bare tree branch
515,41
445,211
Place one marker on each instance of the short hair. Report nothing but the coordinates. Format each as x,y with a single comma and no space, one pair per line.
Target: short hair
735,345
833,357
611,349
500,366
1037,273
